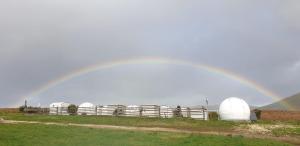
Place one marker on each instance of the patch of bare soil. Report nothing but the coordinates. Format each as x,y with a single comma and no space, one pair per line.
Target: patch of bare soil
265,131
261,128
9,110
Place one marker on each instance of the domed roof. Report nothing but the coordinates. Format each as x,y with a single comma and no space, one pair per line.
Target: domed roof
164,106
59,104
133,106
86,104
234,108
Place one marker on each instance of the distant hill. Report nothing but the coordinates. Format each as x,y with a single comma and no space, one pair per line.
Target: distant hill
293,101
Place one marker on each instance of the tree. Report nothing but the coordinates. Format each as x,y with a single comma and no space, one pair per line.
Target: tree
177,112
22,108
72,109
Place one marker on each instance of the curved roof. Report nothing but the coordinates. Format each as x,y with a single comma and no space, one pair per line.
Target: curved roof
164,106
234,108
131,106
59,104
86,104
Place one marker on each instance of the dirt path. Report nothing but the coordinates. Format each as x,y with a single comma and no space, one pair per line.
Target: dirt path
153,129
292,140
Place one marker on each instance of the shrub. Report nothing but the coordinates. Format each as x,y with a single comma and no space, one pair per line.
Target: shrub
32,110
257,113
22,108
213,116
177,112
118,112
72,109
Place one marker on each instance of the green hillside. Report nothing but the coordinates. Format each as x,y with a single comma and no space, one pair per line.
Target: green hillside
293,101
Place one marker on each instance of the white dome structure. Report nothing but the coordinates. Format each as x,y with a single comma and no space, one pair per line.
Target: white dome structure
86,108
234,109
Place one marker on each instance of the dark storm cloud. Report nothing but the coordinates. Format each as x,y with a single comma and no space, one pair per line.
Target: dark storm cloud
43,40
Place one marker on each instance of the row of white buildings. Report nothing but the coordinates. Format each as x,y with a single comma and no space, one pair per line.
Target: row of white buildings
86,108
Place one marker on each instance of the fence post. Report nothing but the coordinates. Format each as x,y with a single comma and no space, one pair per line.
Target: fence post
159,111
203,114
141,111
96,110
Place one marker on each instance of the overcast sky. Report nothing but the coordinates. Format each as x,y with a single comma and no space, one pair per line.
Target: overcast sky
41,40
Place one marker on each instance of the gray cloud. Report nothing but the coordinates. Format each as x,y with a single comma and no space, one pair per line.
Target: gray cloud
43,40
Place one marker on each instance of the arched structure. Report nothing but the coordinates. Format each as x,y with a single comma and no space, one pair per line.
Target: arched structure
234,109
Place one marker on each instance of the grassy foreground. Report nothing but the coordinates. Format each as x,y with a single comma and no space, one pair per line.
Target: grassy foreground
52,135
178,123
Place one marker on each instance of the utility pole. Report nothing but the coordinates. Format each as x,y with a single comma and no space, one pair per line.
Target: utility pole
25,105
206,100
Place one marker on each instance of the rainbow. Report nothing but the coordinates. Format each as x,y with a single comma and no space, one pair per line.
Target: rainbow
158,60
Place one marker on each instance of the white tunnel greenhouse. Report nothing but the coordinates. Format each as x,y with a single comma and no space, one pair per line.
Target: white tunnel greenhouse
86,108
113,110
150,110
59,108
166,112
133,111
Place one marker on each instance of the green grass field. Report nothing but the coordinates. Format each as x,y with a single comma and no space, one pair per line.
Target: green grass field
30,133
51,135
178,123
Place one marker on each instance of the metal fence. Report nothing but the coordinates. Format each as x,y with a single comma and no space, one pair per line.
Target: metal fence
133,111
167,112
37,110
112,110
136,111
185,112
87,111
198,113
150,111
58,111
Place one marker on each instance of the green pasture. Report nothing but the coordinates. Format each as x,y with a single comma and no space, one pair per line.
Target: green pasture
52,135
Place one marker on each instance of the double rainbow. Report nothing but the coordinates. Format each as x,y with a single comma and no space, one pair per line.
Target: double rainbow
159,60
